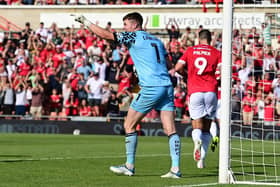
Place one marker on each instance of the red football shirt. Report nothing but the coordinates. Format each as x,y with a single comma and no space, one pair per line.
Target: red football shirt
84,111
179,99
24,69
248,103
124,83
269,112
202,62
57,59
266,85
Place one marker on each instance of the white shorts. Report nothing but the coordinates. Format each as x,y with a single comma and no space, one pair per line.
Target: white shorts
218,110
203,104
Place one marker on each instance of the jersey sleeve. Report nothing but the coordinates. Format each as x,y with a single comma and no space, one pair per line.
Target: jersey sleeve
126,38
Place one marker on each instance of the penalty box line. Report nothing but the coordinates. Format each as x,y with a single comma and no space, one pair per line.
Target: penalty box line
78,158
197,185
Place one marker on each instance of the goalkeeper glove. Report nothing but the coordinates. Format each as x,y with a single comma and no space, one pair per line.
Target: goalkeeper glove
83,20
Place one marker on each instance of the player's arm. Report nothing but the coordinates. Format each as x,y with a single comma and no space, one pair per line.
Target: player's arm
103,33
179,66
99,31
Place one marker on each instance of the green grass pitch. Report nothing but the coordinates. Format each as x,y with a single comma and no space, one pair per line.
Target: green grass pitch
68,160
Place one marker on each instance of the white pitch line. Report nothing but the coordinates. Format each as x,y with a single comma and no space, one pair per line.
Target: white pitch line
194,185
77,158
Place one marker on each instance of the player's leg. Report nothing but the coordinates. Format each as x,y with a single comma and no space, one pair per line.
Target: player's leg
206,138
214,134
214,127
165,104
197,112
215,122
139,107
197,125
133,118
210,100
167,118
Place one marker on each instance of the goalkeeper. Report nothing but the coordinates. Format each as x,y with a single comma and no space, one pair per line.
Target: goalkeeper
151,63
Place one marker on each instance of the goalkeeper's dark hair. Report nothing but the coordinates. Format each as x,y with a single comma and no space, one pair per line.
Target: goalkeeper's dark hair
205,34
134,16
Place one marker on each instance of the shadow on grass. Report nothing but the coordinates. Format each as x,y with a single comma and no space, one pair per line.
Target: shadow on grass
16,158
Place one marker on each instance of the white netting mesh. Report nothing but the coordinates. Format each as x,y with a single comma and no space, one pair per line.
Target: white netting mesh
255,128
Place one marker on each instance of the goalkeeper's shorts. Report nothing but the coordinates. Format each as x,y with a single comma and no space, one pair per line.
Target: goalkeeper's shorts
160,98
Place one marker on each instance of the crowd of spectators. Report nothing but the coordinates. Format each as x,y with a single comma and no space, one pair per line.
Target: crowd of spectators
72,72
125,2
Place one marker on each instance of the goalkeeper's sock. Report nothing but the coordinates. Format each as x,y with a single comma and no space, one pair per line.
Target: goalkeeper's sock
196,135
131,144
175,151
206,137
213,129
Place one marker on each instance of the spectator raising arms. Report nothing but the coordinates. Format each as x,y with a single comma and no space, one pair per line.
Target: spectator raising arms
37,101
20,89
174,32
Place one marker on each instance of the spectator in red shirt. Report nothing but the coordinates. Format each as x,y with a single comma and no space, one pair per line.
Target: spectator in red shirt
84,109
50,50
40,68
89,39
82,33
71,105
100,43
24,68
265,84
124,79
268,111
55,103
248,105
173,43
74,78
179,101
58,56
39,48
250,84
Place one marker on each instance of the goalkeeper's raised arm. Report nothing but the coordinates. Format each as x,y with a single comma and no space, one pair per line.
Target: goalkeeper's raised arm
99,31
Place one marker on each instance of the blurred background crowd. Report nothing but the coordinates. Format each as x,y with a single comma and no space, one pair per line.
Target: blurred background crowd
126,2
60,72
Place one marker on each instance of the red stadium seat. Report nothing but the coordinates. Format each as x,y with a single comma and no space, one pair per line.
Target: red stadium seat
208,1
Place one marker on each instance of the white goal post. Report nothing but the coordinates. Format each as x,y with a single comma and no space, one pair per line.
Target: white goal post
253,158
225,120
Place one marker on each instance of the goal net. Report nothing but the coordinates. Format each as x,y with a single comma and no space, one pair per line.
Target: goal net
250,119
